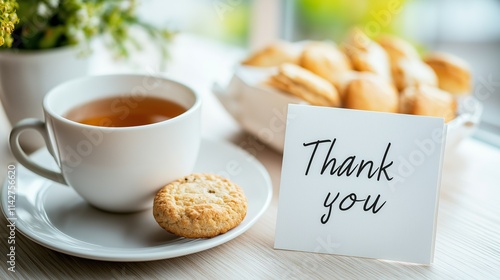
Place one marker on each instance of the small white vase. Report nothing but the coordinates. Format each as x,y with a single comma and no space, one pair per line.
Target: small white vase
25,78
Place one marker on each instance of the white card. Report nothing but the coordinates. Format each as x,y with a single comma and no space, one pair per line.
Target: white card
360,183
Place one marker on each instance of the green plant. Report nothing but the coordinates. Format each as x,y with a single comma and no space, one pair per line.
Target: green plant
8,18
45,24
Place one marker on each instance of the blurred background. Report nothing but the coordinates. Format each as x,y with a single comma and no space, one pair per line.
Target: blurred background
467,28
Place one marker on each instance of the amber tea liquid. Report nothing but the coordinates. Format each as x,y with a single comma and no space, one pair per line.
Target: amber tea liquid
124,111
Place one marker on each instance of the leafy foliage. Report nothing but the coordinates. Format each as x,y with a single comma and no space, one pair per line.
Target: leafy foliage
48,24
8,18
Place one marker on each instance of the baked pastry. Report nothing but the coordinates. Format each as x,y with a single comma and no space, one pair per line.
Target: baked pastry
325,60
200,206
397,48
344,78
371,92
428,101
411,72
453,72
304,84
273,55
366,55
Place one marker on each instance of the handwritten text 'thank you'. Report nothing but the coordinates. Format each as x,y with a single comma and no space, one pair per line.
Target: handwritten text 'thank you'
348,167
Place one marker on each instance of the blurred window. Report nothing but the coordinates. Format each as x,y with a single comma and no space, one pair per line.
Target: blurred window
224,20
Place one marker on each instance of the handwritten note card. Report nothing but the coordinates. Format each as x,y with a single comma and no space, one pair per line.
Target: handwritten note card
360,183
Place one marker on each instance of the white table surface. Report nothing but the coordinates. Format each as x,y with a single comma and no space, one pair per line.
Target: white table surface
468,230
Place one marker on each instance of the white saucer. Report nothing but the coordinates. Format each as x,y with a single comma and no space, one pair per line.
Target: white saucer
54,216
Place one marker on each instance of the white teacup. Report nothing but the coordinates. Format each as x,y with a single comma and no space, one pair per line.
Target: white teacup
117,169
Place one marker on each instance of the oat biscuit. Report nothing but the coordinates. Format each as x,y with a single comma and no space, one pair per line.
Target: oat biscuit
306,85
200,206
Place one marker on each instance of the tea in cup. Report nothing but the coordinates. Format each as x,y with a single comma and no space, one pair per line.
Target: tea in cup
117,139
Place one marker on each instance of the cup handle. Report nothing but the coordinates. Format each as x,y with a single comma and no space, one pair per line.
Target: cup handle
23,158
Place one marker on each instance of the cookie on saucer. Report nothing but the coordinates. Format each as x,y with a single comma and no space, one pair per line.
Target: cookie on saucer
200,206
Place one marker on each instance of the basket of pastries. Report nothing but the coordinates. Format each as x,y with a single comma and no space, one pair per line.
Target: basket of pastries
384,74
